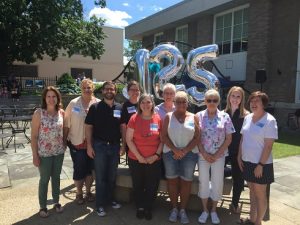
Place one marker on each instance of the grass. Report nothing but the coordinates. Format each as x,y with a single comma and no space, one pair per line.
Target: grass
288,144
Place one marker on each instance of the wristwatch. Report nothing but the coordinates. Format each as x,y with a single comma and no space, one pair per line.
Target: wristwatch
261,164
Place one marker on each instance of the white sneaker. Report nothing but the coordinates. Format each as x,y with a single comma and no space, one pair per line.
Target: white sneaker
203,217
101,212
116,205
214,218
173,215
183,217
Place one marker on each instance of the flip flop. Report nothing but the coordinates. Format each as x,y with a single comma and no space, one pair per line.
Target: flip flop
246,221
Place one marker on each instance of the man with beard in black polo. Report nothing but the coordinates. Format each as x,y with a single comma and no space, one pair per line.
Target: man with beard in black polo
103,145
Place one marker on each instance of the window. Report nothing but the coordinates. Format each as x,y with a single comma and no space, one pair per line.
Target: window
158,38
182,35
231,31
81,72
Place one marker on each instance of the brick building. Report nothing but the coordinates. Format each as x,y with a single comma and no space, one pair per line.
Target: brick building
251,35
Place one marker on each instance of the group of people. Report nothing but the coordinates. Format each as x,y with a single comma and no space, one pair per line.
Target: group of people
97,132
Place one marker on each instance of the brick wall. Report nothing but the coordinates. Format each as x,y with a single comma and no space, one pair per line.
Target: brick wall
204,30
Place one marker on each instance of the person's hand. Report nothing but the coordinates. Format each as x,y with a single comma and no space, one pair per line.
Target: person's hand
141,159
217,155
36,160
177,154
208,157
90,152
151,159
241,164
258,171
122,150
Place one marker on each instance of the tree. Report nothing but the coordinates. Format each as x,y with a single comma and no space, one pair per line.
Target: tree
29,29
133,46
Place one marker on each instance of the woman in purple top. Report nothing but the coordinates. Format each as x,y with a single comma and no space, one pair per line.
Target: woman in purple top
216,129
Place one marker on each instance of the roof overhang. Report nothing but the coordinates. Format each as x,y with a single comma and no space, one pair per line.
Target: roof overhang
183,12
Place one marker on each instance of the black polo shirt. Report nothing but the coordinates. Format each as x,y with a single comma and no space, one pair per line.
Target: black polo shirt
128,109
106,121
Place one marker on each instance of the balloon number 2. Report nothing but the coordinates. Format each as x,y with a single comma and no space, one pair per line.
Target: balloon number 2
171,59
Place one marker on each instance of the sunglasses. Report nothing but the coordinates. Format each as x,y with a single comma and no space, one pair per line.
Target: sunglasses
212,100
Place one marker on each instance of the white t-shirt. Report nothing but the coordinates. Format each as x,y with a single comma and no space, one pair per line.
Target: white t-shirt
254,135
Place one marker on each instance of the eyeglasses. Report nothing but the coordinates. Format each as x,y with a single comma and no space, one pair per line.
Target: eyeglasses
212,100
109,89
134,90
180,102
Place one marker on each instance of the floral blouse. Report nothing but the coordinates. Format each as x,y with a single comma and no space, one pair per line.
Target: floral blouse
50,140
213,131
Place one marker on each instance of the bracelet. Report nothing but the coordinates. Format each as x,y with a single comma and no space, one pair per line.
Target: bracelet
157,154
261,164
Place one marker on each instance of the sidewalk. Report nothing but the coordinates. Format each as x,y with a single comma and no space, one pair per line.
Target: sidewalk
19,200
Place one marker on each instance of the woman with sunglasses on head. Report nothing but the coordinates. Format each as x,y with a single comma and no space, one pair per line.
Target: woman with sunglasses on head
180,136
236,109
74,130
216,129
145,148
259,131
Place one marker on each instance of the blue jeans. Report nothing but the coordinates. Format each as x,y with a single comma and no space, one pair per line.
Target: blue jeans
106,164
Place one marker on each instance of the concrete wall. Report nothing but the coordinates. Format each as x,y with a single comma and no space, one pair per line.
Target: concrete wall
107,68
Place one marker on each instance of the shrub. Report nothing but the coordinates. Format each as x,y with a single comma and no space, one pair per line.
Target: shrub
65,79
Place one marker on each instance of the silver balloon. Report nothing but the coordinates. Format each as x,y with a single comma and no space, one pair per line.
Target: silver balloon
125,92
180,87
141,59
175,59
196,71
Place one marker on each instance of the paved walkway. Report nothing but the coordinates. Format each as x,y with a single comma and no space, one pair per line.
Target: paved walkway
19,201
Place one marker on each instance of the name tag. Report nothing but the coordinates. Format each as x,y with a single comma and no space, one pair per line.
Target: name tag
76,109
131,109
261,125
153,127
190,124
117,113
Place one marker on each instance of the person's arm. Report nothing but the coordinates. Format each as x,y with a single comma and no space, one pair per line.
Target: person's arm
89,140
239,157
167,141
151,159
132,146
35,126
223,147
123,128
191,145
268,144
67,123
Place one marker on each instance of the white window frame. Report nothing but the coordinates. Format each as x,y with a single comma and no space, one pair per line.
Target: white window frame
176,37
232,19
157,35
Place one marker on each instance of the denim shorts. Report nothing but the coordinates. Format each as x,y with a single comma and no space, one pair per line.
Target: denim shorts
183,168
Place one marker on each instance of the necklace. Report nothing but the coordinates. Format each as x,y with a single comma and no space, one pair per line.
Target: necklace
180,118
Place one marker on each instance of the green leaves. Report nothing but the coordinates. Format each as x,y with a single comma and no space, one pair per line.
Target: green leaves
29,29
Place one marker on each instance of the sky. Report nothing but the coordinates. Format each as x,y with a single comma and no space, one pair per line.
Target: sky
121,13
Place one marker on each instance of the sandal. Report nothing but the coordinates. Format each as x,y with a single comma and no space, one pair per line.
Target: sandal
90,197
79,199
235,210
43,213
58,208
245,221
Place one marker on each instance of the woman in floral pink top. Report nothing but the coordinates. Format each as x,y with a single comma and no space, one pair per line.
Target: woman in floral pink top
216,129
47,146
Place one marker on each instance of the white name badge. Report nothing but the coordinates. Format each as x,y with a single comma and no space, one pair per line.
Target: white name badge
117,113
131,109
153,127
190,124
76,109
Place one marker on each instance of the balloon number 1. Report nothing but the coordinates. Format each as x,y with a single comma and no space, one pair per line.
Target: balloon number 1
149,70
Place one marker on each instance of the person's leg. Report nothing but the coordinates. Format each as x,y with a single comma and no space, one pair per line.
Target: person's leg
137,171
89,179
55,176
261,201
100,165
112,168
253,205
45,173
152,179
238,183
204,191
217,181
173,190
